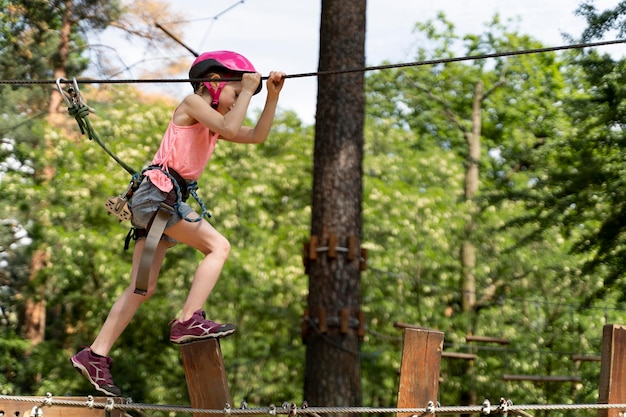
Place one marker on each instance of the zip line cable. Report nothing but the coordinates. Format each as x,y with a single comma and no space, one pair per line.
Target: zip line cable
334,72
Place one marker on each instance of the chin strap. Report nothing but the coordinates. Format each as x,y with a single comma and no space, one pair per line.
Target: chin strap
215,94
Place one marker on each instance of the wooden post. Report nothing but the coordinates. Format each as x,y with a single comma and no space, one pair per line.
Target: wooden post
421,365
205,374
612,389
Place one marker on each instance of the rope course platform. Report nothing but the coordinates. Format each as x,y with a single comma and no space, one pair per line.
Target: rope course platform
417,391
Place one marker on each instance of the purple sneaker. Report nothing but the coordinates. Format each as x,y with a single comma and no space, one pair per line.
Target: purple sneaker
198,328
97,370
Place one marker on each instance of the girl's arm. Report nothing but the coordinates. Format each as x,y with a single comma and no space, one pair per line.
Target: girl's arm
259,133
196,109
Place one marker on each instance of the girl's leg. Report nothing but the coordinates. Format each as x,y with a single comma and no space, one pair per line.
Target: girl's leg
127,304
203,237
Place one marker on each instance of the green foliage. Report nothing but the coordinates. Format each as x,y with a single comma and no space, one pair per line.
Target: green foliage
258,196
583,189
550,205
601,22
519,278
30,40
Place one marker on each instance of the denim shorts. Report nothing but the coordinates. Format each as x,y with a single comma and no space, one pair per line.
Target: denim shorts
146,201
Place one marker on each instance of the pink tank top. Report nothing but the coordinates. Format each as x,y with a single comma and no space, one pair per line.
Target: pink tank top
185,149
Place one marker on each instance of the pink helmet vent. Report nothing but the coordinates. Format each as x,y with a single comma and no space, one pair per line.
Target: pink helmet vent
227,59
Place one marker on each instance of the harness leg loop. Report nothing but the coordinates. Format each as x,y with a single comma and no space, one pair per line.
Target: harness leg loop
155,232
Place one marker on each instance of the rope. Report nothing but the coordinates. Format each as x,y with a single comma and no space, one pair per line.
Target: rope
305,410
333,72
80,113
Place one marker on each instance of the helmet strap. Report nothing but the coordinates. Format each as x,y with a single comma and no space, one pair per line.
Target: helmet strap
215,94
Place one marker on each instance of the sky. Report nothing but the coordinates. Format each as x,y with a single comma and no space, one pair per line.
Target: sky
284,35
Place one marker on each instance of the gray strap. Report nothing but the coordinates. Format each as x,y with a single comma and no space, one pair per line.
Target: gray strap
155,232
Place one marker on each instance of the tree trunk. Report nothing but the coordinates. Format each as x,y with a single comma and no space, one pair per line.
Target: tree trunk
64,51
35,311
468,249
333,370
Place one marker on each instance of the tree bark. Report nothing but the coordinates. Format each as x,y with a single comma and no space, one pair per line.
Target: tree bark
64,51
333,370
35,309
468,249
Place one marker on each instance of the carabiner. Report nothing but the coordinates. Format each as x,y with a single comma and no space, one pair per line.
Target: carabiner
72,96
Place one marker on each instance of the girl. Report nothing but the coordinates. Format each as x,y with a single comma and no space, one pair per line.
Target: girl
216,110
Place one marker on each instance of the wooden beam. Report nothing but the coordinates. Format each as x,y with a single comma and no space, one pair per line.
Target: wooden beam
206,375
586,358
402,326
11,408
421,365
542,378
459,355
612,387
487,339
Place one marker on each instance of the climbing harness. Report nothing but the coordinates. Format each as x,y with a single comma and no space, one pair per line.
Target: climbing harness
172,204
119,205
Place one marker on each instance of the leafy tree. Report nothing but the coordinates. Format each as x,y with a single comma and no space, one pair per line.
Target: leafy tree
601,22
44,40
582,192
519,111
529,285
253,199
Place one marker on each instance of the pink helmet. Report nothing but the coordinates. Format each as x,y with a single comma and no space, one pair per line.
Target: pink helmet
219,61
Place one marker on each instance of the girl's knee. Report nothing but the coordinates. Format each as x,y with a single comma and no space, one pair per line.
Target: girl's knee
222,247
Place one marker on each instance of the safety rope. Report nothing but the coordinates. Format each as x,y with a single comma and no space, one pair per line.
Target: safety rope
334,72
292,410
80,111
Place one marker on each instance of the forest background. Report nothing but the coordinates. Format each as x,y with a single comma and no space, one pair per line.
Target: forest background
546,221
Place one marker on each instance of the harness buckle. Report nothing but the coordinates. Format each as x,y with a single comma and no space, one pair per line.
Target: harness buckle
118,206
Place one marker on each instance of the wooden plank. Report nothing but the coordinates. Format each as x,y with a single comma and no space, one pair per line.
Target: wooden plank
206,375
542,378
459,355
332,246
23,408
344,326
487,339
612,387
402,326
421,365
586,358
